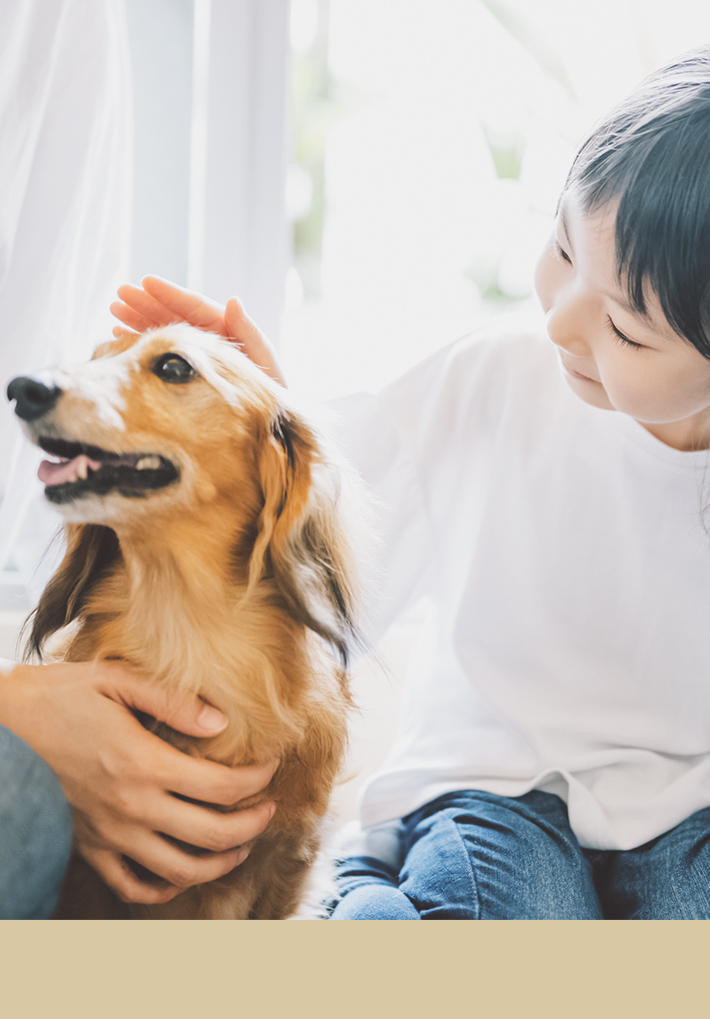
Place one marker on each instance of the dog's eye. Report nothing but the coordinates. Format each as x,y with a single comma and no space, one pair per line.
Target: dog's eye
173,368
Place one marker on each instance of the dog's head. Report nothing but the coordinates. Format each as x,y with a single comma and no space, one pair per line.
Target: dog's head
179,424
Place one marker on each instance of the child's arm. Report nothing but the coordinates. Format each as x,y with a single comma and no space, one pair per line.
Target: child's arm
158,303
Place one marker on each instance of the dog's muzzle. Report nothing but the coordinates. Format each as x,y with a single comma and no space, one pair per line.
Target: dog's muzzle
83,469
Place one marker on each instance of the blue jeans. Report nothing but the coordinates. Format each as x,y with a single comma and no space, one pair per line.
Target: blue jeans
477,856
35,832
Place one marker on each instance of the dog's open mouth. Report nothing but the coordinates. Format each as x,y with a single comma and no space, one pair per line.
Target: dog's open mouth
88,470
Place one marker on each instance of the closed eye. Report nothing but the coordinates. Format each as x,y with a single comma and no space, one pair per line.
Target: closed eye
559,251
621,338
173,368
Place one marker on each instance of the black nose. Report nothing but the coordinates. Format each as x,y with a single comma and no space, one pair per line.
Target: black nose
33,398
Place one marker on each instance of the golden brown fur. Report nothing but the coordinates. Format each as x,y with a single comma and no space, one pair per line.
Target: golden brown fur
235,583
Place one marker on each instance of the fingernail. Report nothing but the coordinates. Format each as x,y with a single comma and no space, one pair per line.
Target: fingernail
243,853
210,719
272,810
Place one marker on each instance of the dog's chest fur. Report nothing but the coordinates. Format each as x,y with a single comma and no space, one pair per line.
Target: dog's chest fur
283,699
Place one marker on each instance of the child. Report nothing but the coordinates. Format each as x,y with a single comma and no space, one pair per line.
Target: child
553,759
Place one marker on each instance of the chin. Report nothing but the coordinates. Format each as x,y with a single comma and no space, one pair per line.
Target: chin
590,392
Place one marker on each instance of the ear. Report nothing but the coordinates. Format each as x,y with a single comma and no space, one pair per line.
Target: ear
91,549
301,534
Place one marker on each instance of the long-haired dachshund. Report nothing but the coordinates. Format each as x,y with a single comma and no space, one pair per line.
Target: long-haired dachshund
206,546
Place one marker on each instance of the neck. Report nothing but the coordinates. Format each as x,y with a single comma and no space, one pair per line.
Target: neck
176,609
690,434
182,582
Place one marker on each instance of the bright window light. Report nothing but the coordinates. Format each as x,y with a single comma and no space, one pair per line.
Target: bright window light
430,143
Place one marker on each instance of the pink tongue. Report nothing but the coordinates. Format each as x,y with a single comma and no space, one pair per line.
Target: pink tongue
59,474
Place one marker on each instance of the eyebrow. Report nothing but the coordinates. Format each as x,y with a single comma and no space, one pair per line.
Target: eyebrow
563,220
618,296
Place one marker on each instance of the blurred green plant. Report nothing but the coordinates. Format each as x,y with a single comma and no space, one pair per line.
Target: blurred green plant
506,152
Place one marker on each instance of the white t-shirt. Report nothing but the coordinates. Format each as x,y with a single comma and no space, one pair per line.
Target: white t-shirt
564,549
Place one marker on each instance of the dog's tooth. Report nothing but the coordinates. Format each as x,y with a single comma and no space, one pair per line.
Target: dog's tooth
148,463
82,466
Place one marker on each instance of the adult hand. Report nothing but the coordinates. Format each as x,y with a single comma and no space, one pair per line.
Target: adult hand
158,303
123,782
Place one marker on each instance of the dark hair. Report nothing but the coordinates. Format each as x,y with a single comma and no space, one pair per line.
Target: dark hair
652,154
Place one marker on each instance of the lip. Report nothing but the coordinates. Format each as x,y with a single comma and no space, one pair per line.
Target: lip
575,374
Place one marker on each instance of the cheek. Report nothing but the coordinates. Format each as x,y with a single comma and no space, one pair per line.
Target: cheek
651,391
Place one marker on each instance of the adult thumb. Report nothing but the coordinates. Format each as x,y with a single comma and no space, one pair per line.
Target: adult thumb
187,713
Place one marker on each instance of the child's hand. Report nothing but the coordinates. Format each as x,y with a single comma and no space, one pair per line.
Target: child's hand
158,303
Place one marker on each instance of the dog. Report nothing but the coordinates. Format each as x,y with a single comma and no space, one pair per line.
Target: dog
207,546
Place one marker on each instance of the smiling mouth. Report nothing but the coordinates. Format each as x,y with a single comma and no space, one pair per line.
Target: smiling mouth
82,470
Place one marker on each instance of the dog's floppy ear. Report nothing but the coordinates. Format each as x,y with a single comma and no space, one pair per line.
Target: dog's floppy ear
91,548
301,534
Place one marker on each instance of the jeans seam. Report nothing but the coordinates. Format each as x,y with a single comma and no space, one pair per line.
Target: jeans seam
471,871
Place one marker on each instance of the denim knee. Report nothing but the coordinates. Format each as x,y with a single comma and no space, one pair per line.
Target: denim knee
375,902
475,855
367,890
665,879
35,832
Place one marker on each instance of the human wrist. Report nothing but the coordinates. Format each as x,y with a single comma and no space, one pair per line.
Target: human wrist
16,690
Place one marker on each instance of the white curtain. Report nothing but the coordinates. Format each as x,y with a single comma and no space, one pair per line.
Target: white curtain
65,152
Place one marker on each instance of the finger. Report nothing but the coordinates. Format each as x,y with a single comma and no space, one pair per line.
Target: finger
187,713
182,869
210,829
208,782
119,332
143,304
188,305
130,317
245,332
193,777
242,328
117,874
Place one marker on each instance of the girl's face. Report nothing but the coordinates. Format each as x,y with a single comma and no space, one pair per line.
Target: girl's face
612,356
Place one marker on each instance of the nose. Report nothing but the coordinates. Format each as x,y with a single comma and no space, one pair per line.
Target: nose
568,324
33,397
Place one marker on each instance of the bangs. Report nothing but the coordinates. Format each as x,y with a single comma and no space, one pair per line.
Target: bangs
652,156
